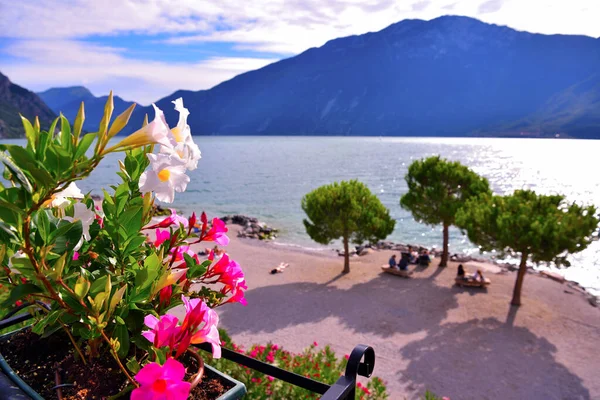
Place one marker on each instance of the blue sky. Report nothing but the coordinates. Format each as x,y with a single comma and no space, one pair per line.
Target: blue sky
146,49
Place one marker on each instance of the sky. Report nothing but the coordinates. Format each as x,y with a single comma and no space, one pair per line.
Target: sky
146,49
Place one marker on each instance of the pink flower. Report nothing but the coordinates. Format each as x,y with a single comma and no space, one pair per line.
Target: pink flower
230,274
217,233
275,347
197,313
270,378
170,220
315,344
162,382
75,256
164,331
161,237
177,219
270,357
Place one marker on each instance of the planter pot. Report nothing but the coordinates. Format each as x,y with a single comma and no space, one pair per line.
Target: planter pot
12,387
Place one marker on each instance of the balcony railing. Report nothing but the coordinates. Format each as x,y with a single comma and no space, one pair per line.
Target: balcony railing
360,362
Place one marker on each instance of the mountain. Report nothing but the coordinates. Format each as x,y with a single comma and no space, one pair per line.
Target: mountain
451,76
67,100
15,100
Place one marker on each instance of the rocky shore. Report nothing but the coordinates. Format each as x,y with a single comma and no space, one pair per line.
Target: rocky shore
252,228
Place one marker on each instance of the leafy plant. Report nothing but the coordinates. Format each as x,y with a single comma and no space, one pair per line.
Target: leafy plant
317,363
346,210
437,189
108,286
542,228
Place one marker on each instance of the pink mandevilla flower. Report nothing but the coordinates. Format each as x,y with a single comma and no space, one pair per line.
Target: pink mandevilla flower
197,312
161,237
217,233
164,331
199,326
230,274
162,382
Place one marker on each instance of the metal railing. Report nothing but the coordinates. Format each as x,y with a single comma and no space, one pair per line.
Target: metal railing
360,362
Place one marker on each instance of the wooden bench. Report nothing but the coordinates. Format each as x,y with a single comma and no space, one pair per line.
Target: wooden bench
394,271
472,282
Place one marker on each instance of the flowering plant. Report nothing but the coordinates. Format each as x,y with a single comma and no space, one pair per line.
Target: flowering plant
93,268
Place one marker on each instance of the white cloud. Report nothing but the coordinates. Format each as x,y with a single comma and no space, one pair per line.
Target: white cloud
46,34
58,63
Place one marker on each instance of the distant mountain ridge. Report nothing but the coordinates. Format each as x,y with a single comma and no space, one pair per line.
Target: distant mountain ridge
15,100
67,100
451,76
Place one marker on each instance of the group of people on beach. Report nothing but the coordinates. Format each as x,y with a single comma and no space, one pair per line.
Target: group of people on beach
410,257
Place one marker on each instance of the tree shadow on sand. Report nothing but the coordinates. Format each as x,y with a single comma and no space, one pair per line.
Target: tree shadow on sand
488,359
382,306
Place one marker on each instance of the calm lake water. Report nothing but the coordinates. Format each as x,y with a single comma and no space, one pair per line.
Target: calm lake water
266,177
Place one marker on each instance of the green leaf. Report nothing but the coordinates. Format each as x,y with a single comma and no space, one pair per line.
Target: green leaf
84,145
122,335
82,286
99,285
133,366
48,320
19,292
52,129
195,270
66,237
29,164
16,171
29,133
59,265
116,299
131,220
65,133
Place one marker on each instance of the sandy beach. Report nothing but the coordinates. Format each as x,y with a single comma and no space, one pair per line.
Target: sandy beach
426,332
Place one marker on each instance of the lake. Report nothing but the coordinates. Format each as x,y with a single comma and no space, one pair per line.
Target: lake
266,177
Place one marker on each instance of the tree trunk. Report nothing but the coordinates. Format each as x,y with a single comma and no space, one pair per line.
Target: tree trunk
516,300
346,256
444,261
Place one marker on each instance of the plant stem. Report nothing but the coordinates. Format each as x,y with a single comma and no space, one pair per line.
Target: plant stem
77,348
116,356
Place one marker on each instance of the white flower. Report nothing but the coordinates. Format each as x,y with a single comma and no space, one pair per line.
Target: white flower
165,177
181,140
61,198
85,215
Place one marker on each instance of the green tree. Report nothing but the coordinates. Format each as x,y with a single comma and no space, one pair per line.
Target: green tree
437,188
539,227
346,210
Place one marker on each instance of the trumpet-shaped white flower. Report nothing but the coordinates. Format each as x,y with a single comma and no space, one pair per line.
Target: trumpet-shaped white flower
61,199
165,177
181,141
85,215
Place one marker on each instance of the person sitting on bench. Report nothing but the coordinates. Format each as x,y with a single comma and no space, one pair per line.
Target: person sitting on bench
424,258
461,273
392,262
404,261
478,276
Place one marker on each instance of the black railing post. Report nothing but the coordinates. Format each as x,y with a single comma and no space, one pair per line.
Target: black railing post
345,387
